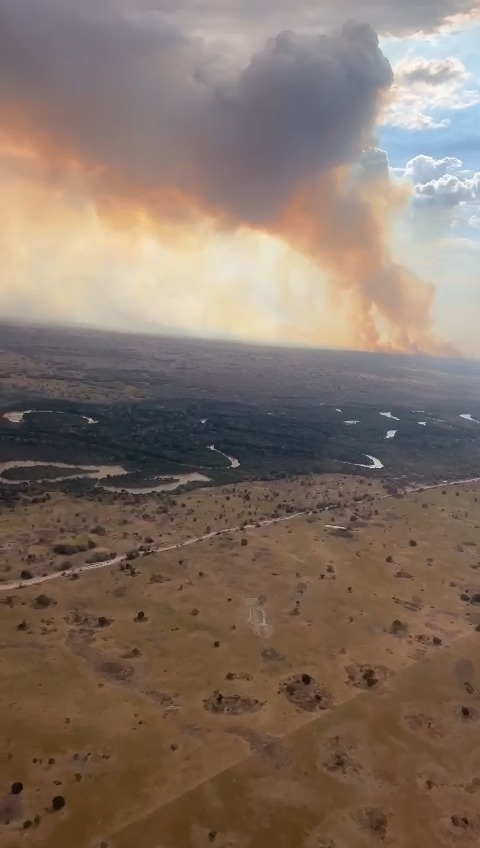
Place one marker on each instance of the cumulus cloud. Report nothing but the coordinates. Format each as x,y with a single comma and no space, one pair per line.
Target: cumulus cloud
442,183
426,90
155,125
449,191
422,169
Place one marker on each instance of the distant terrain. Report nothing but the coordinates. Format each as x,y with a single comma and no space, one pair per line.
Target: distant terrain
156,406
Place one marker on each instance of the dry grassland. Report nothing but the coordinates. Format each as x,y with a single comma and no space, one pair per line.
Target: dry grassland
287,685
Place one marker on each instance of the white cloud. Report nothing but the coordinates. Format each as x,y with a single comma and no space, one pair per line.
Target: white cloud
422,168
474,222
411,71
442,183
427,88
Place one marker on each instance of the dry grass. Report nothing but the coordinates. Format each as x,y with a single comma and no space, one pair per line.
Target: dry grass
120,710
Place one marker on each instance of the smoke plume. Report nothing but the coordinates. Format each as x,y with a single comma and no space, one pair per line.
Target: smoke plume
159,128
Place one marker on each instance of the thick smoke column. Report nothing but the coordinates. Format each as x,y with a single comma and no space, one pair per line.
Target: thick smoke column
147,114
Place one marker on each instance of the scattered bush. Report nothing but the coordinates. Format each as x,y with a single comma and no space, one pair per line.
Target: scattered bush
26,574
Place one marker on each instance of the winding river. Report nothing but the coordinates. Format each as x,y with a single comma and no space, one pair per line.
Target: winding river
101,473
234,463
17,417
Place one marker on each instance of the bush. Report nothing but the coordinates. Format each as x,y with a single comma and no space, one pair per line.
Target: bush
26,574
100,556
63,566
69,548
43,601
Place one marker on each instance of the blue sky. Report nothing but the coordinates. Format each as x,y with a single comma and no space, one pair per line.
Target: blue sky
444,232
461,137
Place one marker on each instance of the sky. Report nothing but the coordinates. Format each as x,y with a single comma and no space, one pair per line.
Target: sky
285,172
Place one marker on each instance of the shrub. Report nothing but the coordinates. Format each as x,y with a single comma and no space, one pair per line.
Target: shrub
43,601
69,548
100,556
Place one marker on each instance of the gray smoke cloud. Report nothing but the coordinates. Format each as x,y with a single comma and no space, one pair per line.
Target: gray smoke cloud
149,110
227,18
164,111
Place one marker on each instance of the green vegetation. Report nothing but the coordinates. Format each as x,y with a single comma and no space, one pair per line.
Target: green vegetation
161,403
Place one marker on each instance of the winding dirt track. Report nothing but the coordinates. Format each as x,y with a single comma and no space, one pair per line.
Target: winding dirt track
16,584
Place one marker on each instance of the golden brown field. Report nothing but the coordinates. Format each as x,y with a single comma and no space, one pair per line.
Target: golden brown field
283,685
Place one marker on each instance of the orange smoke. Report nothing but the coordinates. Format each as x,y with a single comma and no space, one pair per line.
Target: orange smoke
153,137
344,230
340,226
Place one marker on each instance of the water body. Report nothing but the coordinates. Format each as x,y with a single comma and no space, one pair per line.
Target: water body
102,473
17,417
93,472
391,434
389,415
234,463
468,417
374,464
170,486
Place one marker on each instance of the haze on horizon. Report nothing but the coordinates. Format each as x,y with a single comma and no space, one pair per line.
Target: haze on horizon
186,167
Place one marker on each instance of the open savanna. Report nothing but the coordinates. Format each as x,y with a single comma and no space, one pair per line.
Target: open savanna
288,684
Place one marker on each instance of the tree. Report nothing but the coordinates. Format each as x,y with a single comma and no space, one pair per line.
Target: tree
58,802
